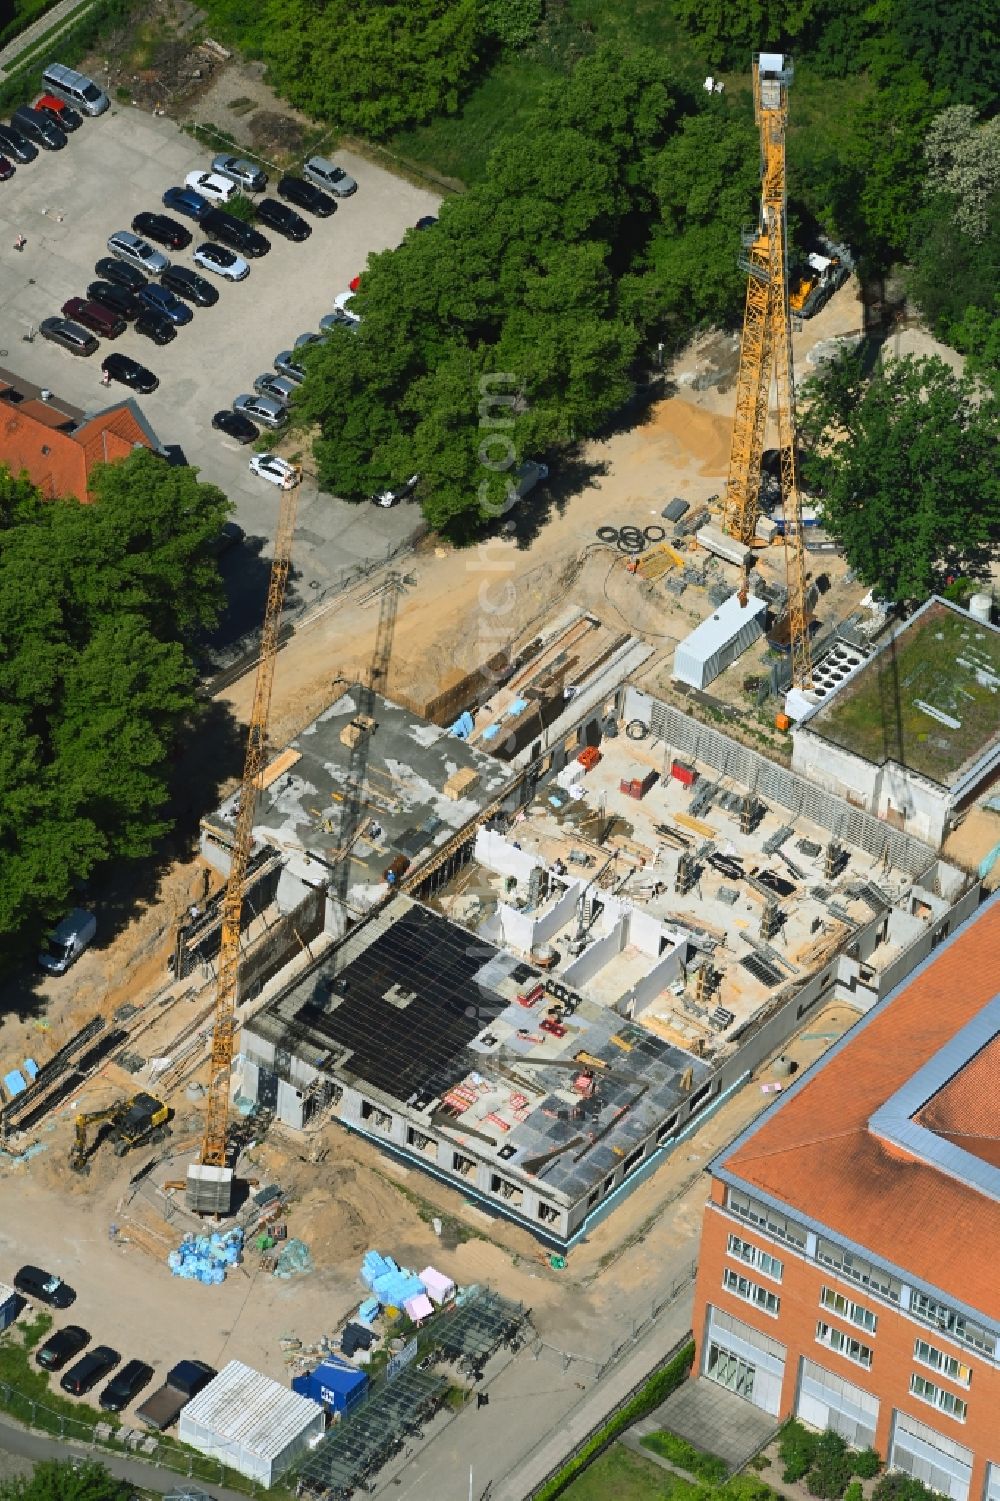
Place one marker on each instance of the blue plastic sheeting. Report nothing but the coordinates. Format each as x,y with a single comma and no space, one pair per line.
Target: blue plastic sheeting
368,1311
517,707
333,1386
988,862
491,731
206,1258
30,1068
14,1082
391,1283
463,726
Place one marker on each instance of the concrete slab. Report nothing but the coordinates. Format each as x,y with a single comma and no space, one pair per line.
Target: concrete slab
714,1420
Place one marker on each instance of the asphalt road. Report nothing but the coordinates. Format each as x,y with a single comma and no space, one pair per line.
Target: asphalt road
66,204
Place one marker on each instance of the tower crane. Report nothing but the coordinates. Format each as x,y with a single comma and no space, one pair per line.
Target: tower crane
210,1179
766,353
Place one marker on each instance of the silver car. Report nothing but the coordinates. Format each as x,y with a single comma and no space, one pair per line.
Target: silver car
330,321
249,176
328,176
262,409
286,365
278,387
137,252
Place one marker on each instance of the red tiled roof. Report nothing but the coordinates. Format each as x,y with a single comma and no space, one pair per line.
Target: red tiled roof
59,463
815,1153
967,1109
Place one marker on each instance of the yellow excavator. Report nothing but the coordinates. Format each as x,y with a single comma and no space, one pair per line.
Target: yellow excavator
127,1124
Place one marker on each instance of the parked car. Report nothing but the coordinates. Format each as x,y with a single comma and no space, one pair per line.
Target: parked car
279,217
262,409
342,304
219,225
33,1282
137,252
229,534
119,299
68,335
161,300
65,115
62,1346
330,321
110,269
76,931
87,1372
304,340
188,284
123,368
162,229
95,316
38,128
235,425
276,470
124,1385
395,493
276,386
286,365
76,88
186,201
6,169
155,327
304,195
16,146
327,175
212,185
223,262
426,222
250,177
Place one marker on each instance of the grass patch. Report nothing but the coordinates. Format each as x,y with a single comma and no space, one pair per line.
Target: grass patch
26,13
627,1477
650,1395
707,1467
945,663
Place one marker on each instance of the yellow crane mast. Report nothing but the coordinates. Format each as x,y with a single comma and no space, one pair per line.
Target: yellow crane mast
210,1180
766,352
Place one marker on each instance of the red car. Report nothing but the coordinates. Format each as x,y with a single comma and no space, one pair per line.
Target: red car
59,112
6,169
354,283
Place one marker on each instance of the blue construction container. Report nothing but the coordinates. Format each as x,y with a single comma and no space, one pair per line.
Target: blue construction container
11,1304
336,1388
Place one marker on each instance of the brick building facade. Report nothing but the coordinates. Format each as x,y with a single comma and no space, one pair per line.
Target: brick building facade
849,1266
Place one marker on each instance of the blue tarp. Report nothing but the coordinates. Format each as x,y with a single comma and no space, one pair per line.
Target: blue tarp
30,1068
391,1283
463,726
14,1082
332,1385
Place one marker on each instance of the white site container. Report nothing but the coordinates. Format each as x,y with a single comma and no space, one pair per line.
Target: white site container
719,640
250,1423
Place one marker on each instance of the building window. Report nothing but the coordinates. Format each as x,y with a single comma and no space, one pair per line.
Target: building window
938,1360
858,1270
844,1344
768,1219
855,1313
937,1397
547,1214
940,1316
753,1256
742,1287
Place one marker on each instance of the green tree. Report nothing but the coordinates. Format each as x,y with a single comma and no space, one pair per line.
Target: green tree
950,272
61,1480
99,608
904,461
954,43
963,161
511,22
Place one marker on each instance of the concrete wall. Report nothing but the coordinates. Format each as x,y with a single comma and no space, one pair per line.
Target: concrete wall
601,952
889,791
645,991
495,852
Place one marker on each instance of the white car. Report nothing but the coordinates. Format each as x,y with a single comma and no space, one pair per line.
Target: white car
212,185
220,261
342,302
278,471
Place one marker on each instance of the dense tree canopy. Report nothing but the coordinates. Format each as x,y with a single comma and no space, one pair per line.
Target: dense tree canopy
61,1480
905,463
612,219
99,605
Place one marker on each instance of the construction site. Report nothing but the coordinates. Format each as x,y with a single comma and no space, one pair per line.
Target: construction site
509,923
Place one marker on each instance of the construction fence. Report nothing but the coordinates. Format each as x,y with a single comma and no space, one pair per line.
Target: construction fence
684,736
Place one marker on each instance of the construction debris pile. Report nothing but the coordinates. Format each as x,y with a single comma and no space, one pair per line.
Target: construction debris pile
207,1258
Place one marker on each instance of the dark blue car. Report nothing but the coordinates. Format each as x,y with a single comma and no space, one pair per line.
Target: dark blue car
186,201
159,300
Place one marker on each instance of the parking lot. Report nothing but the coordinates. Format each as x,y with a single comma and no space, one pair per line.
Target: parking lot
67,203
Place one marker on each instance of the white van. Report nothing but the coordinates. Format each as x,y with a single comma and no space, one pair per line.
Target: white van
67,941
75,88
